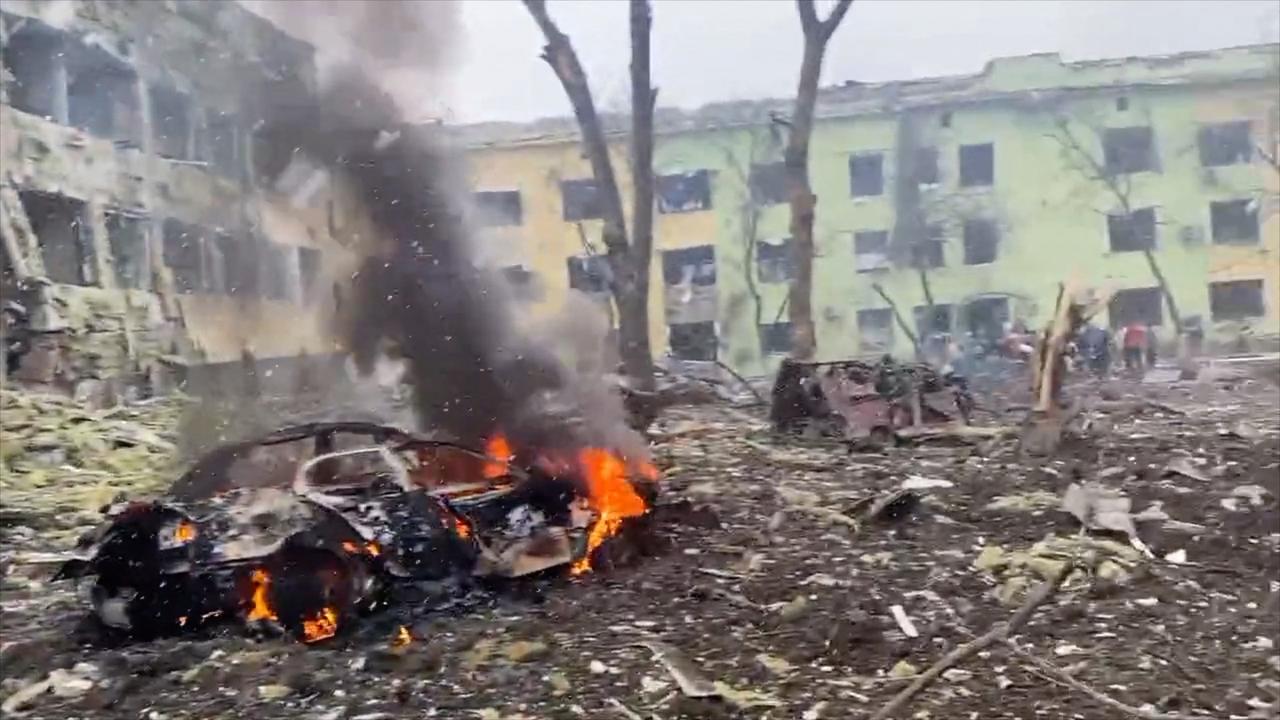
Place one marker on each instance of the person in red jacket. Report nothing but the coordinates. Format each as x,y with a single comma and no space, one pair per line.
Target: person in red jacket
1134,343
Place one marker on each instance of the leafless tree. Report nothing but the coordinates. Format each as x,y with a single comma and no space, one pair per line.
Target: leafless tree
628,259
1119,187
796,158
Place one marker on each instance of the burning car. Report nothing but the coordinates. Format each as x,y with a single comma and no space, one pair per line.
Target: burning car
361,508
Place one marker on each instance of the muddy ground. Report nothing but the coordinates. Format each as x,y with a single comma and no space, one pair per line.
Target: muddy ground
786,605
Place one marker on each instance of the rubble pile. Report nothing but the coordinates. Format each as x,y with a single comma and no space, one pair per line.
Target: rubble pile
62,463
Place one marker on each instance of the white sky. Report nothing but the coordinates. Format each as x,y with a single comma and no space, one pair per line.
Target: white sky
710,50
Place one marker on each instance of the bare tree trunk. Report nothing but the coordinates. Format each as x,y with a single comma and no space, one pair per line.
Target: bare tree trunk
796,158
628,263
633,326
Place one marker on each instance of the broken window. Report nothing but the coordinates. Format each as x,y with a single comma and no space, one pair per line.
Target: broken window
684,192
925,170
1141,305
1132,232
279,279
102,95
1236,300
213,271
695,265
928,253
1128,150
871,250
34,57
981,239
866,175
221,143
693,341
61,225
183,255
589,273
128,239
985,317
1227,143
241,264
308,269
932,320
171,122
773,260
496,208
775,338
768,183
522,281
875,330
581,199
1234,222
977,165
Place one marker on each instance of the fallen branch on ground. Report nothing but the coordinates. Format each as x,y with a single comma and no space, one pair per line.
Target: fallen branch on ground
1059,675
999,632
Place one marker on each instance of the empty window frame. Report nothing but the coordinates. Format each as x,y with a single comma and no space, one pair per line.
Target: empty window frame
497,208
985,317
222,143
768,183
931,321
775,338
309,264
102,95
581,199
928,253
684,192
279,279
1236,300
589,273
875,330
981,241
127,236
925,167
522,281
1133,232
1129,150
695,265
183,254
34,55
871,250
171,122
1228,143
977,165
61,226
1234,222
866,174
1140,305
693,341
773,260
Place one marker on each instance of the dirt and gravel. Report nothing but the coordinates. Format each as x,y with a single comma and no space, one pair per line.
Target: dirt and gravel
778,592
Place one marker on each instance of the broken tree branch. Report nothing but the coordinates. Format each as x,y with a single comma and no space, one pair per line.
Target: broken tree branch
998,633
739,378
902,323
1059,675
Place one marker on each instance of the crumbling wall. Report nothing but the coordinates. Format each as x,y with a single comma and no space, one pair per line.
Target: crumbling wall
125,318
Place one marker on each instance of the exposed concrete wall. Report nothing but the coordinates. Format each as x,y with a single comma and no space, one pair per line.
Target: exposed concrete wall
223,60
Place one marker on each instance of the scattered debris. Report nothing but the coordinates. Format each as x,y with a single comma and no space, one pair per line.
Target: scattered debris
1183,466
904,623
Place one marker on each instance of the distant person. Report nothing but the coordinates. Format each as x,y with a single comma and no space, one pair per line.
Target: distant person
1095,347
1151,346
1134,344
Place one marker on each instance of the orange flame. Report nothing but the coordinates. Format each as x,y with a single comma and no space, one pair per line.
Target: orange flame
610,495
499,449
324,625
259,606
402,639
184,532
462,527
371,548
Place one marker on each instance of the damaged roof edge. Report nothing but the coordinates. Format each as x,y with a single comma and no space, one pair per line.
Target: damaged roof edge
1037,77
